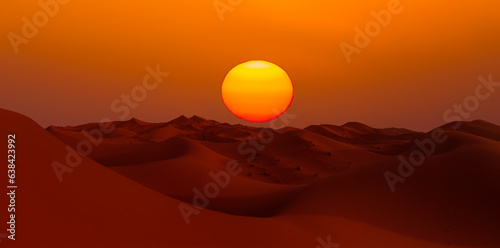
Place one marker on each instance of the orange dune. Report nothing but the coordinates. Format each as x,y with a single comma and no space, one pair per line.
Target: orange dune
128,190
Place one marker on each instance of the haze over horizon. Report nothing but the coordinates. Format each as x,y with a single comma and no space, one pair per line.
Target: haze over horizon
277,122
427,59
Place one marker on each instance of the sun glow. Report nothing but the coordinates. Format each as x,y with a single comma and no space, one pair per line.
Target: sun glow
257,91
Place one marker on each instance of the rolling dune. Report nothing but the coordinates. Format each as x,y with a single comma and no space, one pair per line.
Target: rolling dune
303,185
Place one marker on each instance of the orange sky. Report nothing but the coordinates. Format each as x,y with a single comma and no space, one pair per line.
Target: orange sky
91,52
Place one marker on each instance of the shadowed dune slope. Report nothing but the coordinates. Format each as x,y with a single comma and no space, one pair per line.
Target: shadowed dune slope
305,185
95,206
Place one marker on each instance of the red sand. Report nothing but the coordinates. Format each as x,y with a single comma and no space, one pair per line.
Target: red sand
449,201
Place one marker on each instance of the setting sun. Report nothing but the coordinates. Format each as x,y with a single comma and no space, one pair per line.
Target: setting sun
257,91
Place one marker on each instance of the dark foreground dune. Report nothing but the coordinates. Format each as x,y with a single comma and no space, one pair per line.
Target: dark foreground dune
305,184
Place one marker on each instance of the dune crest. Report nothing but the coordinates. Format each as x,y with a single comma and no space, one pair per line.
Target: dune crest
306,182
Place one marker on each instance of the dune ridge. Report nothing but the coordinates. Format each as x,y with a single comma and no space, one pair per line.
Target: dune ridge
307,183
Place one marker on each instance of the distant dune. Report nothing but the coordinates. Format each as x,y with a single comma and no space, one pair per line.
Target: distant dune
306,183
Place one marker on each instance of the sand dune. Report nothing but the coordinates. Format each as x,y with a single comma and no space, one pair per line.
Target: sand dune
449,199
323,180
97,207
477,127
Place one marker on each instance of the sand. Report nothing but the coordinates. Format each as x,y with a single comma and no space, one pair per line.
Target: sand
127,192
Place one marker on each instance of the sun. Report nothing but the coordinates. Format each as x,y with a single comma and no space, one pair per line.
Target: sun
257,91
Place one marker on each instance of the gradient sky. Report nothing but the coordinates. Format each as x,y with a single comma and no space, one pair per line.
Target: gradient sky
428,58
